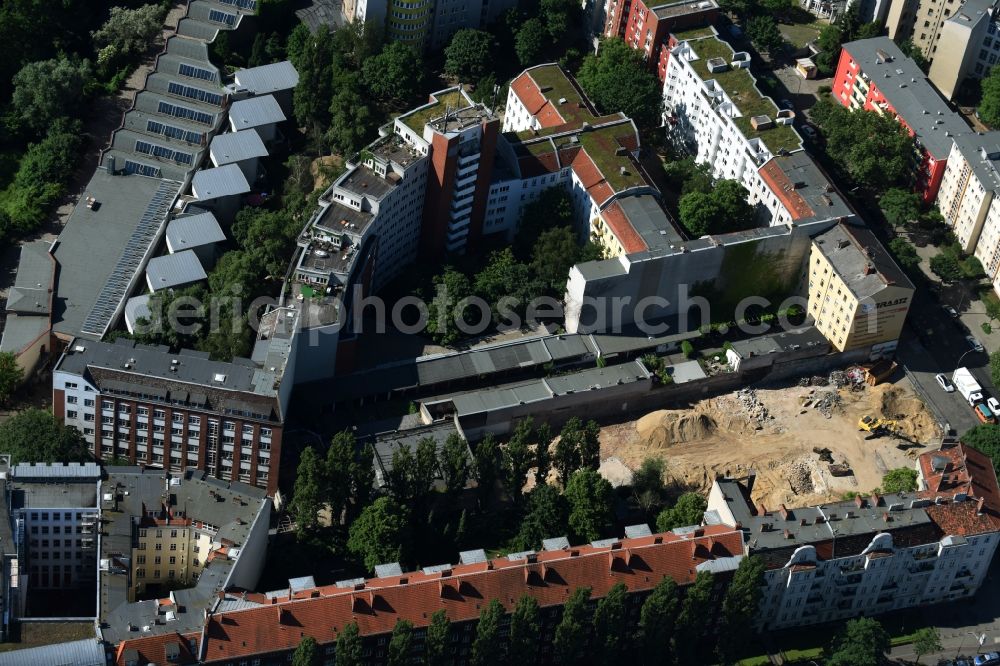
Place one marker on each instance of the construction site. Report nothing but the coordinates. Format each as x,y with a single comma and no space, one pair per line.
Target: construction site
809,443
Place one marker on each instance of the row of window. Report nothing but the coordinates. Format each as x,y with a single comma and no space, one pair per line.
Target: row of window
169,131
175,88
196,72
141,169
162,152
178,111
222,17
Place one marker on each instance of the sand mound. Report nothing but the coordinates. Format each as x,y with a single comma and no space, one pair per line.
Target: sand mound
910,414
665,427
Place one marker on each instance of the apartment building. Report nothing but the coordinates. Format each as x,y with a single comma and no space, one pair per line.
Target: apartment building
269,626
425,24
146,405
872,554
923,22
715,111
973,47
969,199
858,296
874,75
647,27
173,544
53,512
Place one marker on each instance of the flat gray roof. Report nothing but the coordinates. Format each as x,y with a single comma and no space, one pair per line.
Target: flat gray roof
850,249
803,188
649,220
55,471
190,231
255,112
174,270
790,340
364,182
20,331
321,12
86,652
982,151
386,445
906,88
34,280
101,249
219,182
268,78
236,146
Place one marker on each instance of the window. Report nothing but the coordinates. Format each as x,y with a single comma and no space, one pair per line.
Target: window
162,152
71,399
88,402
196,72
242,4
172,132
71,414
141,169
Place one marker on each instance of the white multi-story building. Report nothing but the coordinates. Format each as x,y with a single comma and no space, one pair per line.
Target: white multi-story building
714,110
872,554
969,198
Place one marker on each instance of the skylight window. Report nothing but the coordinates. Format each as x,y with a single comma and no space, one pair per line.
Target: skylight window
196,72
222,17
175,88
178,111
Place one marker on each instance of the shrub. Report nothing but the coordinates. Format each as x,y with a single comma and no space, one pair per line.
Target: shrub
687,349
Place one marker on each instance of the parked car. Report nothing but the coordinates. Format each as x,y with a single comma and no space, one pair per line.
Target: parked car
985,415
950,310
787,104
973,343
809,132
944,382
993,404
988,659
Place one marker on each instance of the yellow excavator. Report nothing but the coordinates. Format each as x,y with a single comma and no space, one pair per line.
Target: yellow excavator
877,427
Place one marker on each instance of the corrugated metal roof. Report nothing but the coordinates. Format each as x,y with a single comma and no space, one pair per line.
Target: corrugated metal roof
173,270
236,147
87,652
255,112
222,181
184,233
268,78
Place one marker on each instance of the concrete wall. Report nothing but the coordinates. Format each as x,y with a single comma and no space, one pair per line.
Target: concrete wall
246,572
766,263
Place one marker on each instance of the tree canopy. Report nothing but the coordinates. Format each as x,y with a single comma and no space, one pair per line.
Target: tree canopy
689,510
395,75
128,32
11,376
989,103
739,608
900,206
617,79
350,651
569,644
721,210
35,436
984,437
469,55
307,653
863,642
657,618
525,628
487,647
899,480
591,504
380,534
48,90
763,32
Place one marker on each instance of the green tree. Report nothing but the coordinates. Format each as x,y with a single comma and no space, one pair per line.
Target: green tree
687,348
350,651
591,504
946,267
899,480
559,16
454,463
739,609
487,648
904,253
570,643
689,510
352,122
617,79
312,54
469,55
763,32
691,627
395,75
926,641
985,437
11,376
578,447
128,33
530,41
552,209
47,90
989,102
863,642
380,534
611,626
436,642
486,460
349,476
445,310
657,618
647,484
35,436
722,210
547,516
307,653
307,494
503,277
900,206
42,175
693,177
525,628
555,251
910,50
518,459
400,643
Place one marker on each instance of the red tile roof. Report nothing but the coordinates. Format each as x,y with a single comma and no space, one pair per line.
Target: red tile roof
961,469
535,102
152,649
784,189
461,591
623,230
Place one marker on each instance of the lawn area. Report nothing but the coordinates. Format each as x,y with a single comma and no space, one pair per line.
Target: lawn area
448,101
800,34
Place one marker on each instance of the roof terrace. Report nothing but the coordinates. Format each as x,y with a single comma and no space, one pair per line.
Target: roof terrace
741,87
444,101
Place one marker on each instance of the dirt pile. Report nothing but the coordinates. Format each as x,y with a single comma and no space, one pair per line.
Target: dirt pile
664,427
911,416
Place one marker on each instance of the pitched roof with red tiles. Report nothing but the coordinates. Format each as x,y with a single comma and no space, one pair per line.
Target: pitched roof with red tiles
784,189
623,230
462,591
154,649
958,469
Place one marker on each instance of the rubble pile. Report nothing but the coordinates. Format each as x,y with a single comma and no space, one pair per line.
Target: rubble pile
755,409
827,402
799,477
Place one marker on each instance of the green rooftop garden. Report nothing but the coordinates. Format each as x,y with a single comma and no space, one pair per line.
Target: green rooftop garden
602,147
450,100
739,85
551,76
694,33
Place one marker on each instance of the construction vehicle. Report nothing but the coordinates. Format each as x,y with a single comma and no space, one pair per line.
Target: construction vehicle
877,427
968,386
